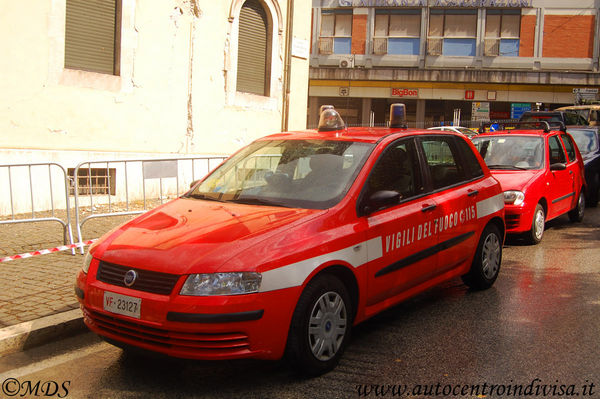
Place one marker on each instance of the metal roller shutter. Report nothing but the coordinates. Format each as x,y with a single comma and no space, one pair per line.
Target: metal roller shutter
90,35
252,49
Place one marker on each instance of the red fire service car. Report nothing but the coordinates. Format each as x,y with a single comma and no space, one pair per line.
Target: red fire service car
292,241
541,173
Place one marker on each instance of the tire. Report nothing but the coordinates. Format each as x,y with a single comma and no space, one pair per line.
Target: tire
576,214
537,225
320,327
486,263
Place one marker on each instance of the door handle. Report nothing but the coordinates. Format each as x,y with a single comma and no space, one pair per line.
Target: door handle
472,193
427,208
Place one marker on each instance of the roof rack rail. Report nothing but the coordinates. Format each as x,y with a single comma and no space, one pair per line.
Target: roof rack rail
545,125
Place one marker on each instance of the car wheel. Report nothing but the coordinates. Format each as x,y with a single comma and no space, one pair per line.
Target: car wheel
576,214
537,225
594,193
486,264
320,327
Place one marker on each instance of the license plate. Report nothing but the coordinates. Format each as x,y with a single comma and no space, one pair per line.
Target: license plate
122,304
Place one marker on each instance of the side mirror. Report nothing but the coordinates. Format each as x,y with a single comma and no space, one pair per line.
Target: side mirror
558,166
380,200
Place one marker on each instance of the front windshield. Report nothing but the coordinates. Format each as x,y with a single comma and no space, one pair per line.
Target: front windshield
313,174
586,139
511,152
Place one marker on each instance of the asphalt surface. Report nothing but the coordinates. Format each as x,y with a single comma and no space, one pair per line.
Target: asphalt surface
534,333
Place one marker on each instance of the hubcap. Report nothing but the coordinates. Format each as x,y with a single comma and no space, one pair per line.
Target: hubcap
327,326
539,224
491,256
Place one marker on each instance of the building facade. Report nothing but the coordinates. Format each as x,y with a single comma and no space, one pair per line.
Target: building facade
133,77
94,80
451,61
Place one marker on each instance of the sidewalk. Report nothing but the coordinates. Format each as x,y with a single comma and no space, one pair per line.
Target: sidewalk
37,299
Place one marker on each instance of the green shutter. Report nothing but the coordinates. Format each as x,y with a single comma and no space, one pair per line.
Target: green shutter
90,35
252,49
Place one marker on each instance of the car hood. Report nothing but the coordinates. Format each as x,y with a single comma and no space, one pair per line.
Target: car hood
190,236
516,180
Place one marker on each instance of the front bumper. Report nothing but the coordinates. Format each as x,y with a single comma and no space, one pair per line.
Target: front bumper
518,219
207,328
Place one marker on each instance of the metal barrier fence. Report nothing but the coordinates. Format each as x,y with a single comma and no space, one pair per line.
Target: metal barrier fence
133,184
37,190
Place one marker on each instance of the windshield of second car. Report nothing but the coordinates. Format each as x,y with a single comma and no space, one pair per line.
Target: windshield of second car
313,174
586,139
511,152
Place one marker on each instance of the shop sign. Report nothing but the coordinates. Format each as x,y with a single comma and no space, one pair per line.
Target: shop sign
480,111
344,91
469,94
405,93
517,109
432,3
585,93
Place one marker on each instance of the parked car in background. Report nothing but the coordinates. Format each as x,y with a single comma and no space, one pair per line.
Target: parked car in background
589,112
564,117
588,142
541,173
456,129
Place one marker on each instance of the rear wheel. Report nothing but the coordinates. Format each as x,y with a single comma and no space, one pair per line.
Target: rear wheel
320,327
537,225
486,264
576,214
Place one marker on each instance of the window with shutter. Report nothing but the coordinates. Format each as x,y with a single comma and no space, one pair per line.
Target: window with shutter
400,29
456,30
253,49
336,32
502,32
92,35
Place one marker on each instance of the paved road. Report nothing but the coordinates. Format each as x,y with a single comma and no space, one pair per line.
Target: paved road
536,329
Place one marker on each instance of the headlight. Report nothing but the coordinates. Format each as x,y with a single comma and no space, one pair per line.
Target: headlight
86,262
514,197
221,284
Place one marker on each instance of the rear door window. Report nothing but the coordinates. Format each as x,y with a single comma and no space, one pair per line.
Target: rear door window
443,161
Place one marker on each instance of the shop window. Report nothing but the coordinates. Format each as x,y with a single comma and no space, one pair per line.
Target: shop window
253,49
452,32
397,32
502,30
336,32
92,35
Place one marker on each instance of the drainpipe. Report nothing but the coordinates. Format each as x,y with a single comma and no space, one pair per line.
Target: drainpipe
289,27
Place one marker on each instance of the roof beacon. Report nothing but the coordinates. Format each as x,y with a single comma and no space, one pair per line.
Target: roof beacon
330,120
398,116
324,107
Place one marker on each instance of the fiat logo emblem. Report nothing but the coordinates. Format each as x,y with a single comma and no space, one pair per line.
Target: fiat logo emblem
130,278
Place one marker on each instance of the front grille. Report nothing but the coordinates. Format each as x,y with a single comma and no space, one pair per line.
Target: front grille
193,342
512,221
147,281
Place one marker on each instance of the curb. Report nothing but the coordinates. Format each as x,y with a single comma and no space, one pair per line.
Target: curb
41,331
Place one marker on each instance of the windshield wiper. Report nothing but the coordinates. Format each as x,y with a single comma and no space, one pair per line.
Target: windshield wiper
202,197
506,167
256,201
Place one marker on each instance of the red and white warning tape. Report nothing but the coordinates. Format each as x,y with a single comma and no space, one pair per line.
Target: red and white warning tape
46,251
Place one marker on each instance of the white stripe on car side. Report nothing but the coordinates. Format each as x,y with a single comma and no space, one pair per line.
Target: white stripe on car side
295,274
490,205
